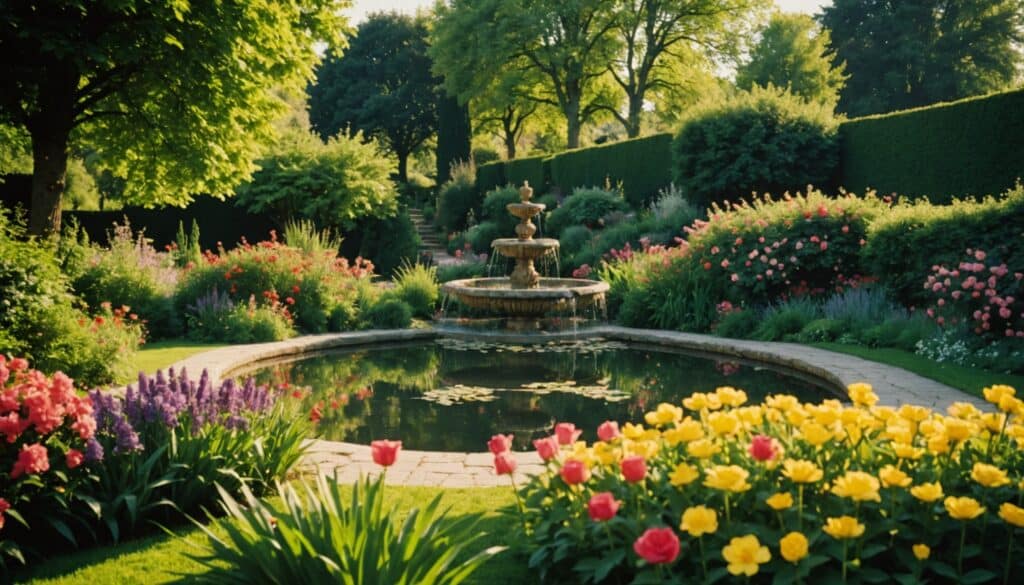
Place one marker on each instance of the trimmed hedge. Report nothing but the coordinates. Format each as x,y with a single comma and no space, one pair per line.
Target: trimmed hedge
968,147
904,243
490,176
643,165
527,169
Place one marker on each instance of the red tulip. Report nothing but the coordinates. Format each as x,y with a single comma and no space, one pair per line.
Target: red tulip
657,546
547,447
504,463
634,468
574,471
762,448
500,443
609,430
385,452
602,506
567,433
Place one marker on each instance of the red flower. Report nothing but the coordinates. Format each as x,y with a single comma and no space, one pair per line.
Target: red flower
762,448
602,507
385,452
634,468
547,447
574,471
500,443
32,459
74,458
567,433
4,506
504,463
316,413
289,300
657,546
608,431
295,289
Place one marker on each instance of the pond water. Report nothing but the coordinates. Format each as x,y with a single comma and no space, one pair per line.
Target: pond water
452,395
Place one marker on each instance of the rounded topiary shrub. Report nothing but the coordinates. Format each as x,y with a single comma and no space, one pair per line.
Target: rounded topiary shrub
586,207
495,208
389,313
764,141
456,198
481,235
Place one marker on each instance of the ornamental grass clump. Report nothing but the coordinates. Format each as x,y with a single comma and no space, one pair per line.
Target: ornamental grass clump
784,492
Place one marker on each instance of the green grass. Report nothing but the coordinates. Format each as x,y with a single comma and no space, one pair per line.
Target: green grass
161,559
160,354
970,380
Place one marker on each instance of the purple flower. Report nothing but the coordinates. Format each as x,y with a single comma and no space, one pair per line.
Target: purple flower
93,451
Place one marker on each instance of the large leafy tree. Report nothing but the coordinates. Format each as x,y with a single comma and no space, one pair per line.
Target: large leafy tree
566,43
793,52
915,52
174,95
654,32
382,87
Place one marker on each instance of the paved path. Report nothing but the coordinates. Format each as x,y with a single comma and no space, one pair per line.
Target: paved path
894,386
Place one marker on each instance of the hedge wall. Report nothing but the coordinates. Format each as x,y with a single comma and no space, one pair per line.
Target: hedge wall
643,165
490,176
527,169
969,147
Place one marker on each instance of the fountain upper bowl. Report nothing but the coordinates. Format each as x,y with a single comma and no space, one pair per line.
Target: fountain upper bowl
552,295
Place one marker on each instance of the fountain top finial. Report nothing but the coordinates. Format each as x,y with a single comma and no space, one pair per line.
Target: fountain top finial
525,192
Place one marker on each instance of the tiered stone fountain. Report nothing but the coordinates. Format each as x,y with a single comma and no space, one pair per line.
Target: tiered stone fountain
526,293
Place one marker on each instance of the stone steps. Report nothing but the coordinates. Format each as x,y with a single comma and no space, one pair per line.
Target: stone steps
430,240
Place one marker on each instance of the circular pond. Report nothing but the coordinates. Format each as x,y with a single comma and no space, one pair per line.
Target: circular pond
452,395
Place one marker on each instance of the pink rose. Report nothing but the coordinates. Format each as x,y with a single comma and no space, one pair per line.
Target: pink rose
608,430
567,433
32,459
602,507
74,458
634,468
500,443
657,546
574,472
504,463
547,447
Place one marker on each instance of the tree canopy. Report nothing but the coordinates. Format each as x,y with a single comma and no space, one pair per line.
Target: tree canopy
174,96
793,52
382,86
917,52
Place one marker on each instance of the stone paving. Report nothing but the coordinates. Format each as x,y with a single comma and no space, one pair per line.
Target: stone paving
894,386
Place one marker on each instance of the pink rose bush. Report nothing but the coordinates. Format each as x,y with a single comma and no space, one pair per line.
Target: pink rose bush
784,492
981,293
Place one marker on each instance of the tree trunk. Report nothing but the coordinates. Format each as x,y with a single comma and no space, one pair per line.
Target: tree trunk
50,165
403,167
636,105
573,126
510,143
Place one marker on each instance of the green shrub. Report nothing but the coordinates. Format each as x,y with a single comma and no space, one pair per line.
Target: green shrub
216,318
786,320
482,234
970,147
738,324
428,212
662,289
457,198
763,141
342,318
495,208
586,207
389,313
302,234
483,155
531,170
389,242
573,239
861,307
416,285
130,273
643,166
490,175
820,330
461,270
903,244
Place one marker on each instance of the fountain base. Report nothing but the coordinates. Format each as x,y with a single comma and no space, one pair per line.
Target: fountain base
562,295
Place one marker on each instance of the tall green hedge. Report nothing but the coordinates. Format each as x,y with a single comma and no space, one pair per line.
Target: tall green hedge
905,242
643,165
969,147
453,135
527,169
490,176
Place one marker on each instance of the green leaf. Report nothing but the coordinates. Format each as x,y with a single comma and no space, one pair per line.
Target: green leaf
943,569
978,576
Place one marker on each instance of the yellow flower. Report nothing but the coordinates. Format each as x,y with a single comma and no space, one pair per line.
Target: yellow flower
861,394
699,520
801,471
724,423
744,554
994,421
963,508
963,410
1012,514
606,453
750,415
783,402
780,501
684,474
793,547
995,394
843,527
730,396
938,444
684,432
927,492
913,413
899,432
632,431
796,416
858,486
702,449
907,451
728,478
700,401
665,414
815,433
1011,405
958,429
827,412
921,551
892,476
989,475
645,448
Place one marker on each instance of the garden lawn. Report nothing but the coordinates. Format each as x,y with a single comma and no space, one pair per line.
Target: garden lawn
970,380
161,559
160,354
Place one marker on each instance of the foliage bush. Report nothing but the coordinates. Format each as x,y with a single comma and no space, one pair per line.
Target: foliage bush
782,492
389,313
483,155
457,198
216,318
737,323
573,239
480,236
785,320
822,330
474,268
586,207
763,141
904,244
416,285
969,147
642,166
495,208
390,242
39,319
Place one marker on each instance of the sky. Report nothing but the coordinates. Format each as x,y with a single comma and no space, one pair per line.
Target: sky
363,7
